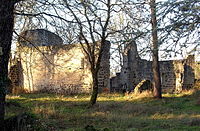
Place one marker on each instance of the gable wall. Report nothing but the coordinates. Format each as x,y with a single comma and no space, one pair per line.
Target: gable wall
60,68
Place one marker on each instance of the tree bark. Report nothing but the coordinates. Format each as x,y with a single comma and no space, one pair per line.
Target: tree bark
93,98
95,72
155,65
6,32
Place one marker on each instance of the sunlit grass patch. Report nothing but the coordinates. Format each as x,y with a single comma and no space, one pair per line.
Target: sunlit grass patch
144,94
112,111
165,116
46,111
183,93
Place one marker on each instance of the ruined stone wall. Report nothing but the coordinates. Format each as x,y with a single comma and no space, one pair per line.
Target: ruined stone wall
167,76
16,74
189,72
104,72
116,83
176,75
197,70
60,68
16,78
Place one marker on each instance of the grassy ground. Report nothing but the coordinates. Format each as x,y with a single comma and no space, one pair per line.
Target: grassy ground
114,112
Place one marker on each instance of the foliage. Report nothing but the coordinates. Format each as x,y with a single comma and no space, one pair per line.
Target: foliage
113,111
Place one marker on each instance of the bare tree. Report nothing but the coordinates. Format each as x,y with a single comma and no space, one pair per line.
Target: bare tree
86,22
180,26
92,18
149,31
155,63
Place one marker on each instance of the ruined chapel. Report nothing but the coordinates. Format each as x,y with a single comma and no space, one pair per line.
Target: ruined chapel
176,75
44,63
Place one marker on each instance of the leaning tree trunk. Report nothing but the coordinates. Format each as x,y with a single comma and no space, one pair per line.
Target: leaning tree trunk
155,64
6,32
95,71
93,98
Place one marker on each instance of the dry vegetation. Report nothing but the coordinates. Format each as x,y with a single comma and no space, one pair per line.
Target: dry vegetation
112,111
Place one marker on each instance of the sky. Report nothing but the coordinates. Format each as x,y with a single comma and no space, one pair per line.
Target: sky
62,14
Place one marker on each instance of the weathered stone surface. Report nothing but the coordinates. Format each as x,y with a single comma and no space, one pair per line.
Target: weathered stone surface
176,75
60,68
143,85
16,78
39,37
197,71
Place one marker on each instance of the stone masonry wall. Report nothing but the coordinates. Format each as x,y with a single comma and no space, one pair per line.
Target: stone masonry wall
176,75
60,68
197,71
16,77
104,72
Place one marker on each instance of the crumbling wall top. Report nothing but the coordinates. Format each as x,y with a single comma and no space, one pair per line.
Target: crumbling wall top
39,37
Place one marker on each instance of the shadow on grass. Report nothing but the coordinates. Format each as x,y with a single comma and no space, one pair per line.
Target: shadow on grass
113,112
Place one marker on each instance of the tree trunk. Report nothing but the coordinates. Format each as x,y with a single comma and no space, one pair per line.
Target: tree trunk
95,72
155,64
6,32
93,98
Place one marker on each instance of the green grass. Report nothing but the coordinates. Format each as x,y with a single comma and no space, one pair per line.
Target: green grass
113,112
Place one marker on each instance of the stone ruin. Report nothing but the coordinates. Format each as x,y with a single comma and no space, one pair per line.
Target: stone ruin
176,75
44,63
